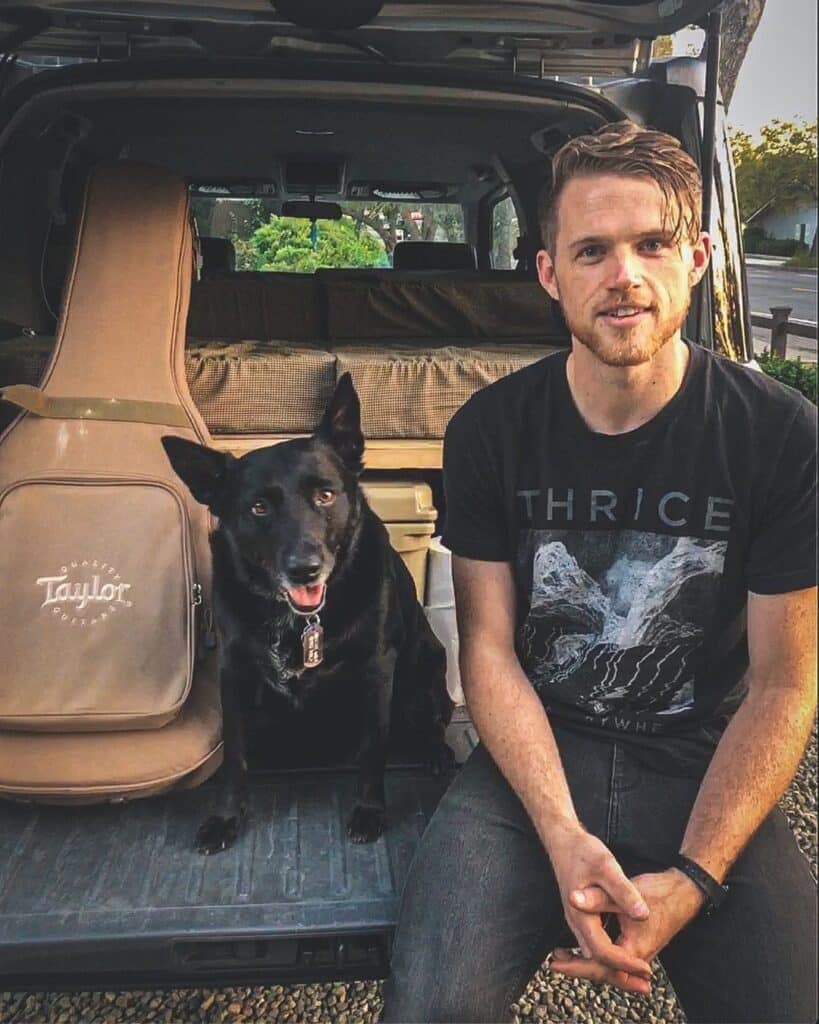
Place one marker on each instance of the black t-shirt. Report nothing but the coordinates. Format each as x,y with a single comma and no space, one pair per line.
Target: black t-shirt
633,553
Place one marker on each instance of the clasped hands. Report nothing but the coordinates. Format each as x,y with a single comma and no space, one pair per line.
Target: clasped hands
650,910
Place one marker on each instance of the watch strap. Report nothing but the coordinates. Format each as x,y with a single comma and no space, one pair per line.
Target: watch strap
712,890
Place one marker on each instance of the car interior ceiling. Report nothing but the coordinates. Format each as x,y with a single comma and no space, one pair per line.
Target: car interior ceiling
473,154
476,157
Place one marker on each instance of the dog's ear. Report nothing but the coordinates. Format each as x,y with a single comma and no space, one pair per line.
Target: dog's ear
340,425
202,469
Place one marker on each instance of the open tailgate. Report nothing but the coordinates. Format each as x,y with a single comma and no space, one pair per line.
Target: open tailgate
116,896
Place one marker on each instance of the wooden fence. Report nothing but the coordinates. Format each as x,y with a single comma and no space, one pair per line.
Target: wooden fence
780,325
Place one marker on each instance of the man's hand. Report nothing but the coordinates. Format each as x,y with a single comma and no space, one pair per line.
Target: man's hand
583,864
673,900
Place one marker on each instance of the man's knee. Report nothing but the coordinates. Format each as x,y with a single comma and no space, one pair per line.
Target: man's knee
478,897
443,998
755,958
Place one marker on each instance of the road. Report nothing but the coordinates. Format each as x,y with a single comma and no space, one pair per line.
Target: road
772,286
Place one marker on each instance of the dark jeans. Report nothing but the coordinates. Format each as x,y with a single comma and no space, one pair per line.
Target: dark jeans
481,909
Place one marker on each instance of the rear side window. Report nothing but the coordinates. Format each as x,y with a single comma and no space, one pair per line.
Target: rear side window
504,234
364,237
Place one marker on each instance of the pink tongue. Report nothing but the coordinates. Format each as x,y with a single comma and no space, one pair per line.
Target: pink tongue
307,597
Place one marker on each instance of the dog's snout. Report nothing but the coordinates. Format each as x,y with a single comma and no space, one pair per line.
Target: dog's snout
304,568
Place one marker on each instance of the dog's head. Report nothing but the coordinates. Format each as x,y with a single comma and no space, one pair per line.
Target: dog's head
288,509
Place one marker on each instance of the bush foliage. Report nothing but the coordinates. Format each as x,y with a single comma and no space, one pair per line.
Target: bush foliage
284,243
803,260
756,244
793,372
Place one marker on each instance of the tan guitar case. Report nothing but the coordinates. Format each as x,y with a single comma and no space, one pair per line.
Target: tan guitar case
106,688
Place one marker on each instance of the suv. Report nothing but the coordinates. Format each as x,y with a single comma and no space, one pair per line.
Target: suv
422,134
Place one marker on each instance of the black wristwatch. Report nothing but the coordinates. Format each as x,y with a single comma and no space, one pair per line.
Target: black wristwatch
714,892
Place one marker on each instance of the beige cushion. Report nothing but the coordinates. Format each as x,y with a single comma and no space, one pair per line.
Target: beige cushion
243,386
249,386
407,390
410,392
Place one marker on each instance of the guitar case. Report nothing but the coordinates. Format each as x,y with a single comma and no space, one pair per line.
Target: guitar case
108,676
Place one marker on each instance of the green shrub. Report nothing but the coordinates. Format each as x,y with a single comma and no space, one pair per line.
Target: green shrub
803,260
286,243
753,238
773,246
794,372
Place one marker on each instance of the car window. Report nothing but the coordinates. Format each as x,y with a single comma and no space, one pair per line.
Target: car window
364,237
504,234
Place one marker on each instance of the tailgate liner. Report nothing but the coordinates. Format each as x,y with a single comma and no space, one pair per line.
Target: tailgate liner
117,896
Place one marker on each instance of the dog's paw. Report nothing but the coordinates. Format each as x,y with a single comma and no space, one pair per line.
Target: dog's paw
366,824
217,833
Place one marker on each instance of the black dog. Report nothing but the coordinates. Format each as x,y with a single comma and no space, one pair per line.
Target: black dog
321,631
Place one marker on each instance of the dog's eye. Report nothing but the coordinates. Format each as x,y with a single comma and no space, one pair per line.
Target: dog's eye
324,497
260,507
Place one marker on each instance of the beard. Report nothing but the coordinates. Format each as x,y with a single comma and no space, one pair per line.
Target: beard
631,346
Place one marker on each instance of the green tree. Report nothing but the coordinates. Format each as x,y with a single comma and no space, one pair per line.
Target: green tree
439,222
235,219
284,243
779,171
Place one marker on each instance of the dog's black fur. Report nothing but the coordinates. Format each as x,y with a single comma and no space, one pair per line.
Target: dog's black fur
290,517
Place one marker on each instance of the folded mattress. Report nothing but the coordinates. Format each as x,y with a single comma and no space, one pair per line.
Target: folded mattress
406,390
259,387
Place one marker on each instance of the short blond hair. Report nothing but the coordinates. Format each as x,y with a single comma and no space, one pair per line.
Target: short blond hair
627,149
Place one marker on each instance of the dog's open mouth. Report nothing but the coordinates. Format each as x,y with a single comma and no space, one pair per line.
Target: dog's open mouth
307,598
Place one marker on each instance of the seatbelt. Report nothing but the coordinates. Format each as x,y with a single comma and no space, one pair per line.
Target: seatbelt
59,139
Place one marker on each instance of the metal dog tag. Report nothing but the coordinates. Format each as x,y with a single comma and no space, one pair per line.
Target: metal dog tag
312,643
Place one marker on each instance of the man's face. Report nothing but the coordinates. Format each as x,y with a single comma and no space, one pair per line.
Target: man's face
623,285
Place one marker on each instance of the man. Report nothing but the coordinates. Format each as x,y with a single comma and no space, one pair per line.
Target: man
633,529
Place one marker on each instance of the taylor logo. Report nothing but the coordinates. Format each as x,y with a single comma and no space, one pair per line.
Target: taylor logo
85,593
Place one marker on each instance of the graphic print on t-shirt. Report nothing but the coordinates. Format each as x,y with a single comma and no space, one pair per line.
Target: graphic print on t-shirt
617,618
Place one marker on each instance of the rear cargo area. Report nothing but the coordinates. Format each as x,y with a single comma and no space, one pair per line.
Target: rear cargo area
116,895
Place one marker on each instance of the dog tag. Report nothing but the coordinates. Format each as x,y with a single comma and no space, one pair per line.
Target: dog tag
312,644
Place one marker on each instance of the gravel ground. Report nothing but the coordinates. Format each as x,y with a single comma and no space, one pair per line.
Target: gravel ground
545,999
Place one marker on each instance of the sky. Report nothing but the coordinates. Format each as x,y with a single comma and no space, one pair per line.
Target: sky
778,75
